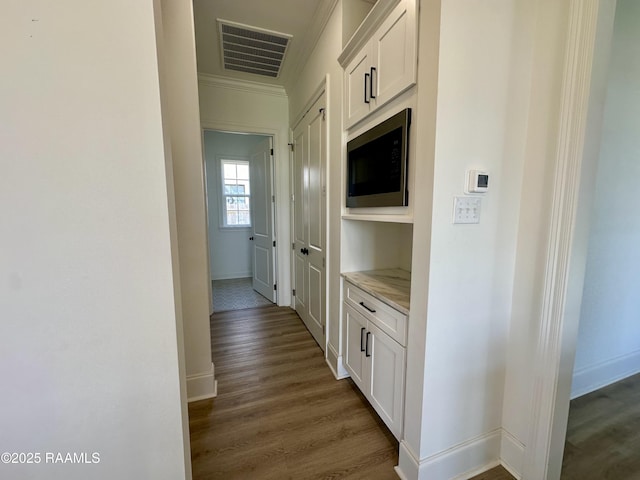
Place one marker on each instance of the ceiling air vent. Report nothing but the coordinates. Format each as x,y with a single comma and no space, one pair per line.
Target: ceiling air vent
252,50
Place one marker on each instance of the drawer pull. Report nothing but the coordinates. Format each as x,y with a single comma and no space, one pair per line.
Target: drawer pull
366,353
362,339
370,309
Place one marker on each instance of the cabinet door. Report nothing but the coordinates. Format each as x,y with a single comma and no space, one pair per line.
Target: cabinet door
355,334
386,384
357,87
394,53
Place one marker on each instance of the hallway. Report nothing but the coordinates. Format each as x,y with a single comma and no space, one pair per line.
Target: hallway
280,413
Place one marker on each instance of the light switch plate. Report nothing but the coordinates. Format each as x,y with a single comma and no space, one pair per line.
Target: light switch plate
466,209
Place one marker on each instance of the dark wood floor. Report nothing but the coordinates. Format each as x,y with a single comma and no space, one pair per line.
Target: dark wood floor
280,413
603,436
498,473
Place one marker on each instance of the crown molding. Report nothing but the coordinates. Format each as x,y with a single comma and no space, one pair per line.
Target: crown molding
322,15
373,20
207,80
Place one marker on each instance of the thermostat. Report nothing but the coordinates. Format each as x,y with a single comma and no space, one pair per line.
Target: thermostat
477,181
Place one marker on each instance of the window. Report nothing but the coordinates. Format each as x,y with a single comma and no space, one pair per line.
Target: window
236,194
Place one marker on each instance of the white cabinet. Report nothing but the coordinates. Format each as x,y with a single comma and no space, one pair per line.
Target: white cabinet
357,88
355,338
373,355
385,66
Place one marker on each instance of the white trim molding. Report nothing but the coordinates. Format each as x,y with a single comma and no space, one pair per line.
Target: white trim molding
373,20
204,79
202,385
511,454
552,363
335,363
459,462
594,377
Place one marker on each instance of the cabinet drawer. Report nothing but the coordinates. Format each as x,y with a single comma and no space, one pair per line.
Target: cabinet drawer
388,319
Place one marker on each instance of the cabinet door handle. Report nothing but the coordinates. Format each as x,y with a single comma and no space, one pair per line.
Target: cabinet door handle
362,339
370,309
366,76
366,353
373,70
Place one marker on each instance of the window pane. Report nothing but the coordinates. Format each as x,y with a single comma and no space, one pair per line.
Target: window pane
235,193
243,171
243,187
231,203
229,170
244,218
230,189
242,203
232,218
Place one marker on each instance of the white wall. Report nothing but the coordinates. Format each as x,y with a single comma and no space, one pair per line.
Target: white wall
462,284
229,249
608,347
255,108
375,245
353,13
188,173
323,64
471,266
89,353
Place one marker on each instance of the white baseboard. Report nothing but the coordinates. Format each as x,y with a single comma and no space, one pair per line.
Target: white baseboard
201,386
232,276
457,463
511,454
594,377
335,363
408,465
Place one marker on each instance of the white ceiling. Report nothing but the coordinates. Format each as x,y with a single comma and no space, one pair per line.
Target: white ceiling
303,19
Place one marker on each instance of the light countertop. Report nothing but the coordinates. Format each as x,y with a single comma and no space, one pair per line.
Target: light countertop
391,286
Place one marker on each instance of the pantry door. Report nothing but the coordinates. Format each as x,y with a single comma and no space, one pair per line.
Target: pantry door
309,205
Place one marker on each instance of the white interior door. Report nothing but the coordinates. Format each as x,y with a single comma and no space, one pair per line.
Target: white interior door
300,186
309,166
316,220
263,246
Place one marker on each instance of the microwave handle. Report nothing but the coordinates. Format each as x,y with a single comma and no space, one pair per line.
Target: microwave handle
366,80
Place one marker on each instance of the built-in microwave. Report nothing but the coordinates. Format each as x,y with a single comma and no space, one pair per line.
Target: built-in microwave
377,164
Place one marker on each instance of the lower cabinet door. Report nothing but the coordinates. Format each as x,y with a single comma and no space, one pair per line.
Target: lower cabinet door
355,338
386,383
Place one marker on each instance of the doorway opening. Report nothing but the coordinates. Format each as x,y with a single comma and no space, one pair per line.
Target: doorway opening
241,219
603,413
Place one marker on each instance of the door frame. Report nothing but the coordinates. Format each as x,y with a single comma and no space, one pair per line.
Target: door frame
278,270
556,335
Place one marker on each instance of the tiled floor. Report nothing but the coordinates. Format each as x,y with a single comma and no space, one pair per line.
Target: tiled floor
236,294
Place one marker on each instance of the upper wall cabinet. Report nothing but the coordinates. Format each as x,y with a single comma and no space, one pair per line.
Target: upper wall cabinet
380,66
